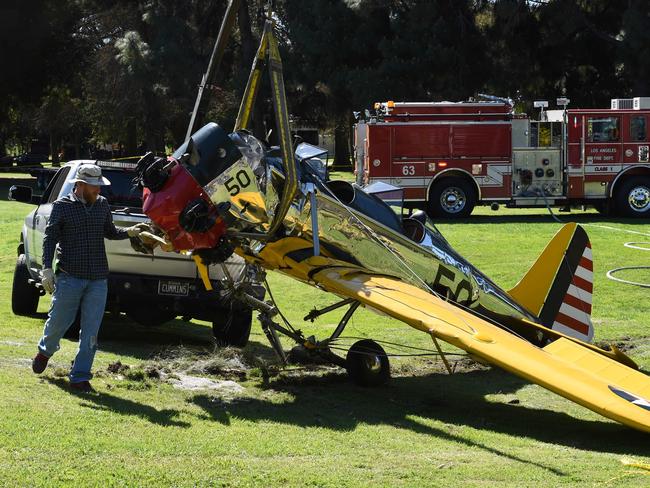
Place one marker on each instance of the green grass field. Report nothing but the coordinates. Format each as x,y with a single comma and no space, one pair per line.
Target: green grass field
310,426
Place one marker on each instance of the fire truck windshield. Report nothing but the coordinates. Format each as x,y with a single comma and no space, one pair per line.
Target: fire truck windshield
602,129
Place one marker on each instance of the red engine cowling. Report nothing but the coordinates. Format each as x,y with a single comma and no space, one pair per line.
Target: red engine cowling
166,207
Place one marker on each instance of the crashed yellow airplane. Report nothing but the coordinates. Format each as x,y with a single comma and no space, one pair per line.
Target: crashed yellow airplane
221,192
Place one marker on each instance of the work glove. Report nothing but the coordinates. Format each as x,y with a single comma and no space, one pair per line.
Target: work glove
135,230
47,280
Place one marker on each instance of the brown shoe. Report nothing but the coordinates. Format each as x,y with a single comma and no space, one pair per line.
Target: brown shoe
82,386
39,363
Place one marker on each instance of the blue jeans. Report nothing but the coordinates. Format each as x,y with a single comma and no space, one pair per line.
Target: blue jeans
71,294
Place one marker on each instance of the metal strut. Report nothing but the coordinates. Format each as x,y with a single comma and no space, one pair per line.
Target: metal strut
442,354
268,54
269,328
215,59
344,320
315,313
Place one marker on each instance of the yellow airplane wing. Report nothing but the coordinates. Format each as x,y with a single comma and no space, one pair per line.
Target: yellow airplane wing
565,367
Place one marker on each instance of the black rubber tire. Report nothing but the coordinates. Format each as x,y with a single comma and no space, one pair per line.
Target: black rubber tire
451,190
233,327
150,315
24,295
367,363
604,207
634,185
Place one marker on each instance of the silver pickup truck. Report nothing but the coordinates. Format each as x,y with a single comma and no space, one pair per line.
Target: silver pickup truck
151,290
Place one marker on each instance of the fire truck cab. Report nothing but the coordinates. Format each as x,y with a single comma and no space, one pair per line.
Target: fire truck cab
450,156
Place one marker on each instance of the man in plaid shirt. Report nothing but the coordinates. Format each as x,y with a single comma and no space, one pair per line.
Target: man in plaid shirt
78,224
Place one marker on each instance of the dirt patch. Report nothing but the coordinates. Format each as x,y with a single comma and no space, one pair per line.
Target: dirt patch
188,382
227,363
624,344
187,369
117,367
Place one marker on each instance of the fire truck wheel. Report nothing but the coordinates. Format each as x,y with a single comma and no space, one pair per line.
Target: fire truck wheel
451,198
633,198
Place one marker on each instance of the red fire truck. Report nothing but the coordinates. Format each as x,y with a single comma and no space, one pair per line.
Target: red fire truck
450,156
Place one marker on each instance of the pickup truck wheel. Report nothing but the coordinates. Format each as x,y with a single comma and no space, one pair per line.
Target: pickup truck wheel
150,316
451,198
233,328
633,198
24,295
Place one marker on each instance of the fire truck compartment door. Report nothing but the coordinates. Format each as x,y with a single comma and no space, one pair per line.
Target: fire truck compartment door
537,173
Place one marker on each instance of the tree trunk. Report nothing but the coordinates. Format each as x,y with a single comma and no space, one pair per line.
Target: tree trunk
54,150
342,142
131,137
77,148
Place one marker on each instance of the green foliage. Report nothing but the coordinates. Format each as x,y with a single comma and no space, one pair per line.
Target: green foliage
127,72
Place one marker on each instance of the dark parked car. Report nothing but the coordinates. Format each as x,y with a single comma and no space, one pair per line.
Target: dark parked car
6,161
30,159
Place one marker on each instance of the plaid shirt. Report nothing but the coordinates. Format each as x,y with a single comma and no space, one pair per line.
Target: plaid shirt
79,230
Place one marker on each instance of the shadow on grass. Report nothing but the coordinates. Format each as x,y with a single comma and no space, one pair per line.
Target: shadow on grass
124,337
541,218
123,406
409,402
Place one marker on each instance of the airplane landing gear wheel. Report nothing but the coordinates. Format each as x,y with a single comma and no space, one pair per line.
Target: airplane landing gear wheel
367,363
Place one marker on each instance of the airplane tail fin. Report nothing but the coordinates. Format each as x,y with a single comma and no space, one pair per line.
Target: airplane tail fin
558,286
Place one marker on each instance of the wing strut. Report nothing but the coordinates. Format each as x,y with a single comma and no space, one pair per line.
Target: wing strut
442,354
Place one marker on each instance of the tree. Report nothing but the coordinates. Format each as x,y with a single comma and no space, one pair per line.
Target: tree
133,66
60,116
38,48
634,48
